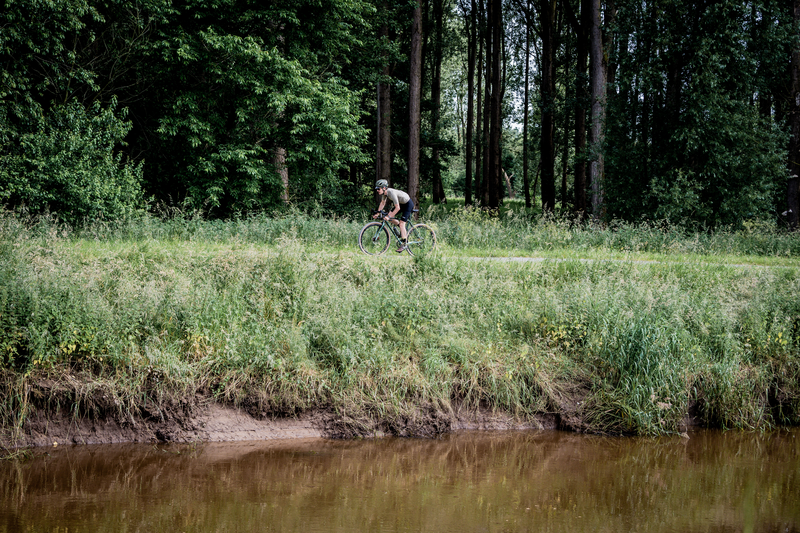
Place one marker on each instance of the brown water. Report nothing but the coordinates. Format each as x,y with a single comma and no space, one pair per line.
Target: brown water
518,481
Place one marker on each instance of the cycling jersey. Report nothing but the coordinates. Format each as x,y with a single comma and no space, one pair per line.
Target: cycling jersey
397,197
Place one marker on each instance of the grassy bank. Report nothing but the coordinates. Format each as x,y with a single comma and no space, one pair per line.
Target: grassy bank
281,315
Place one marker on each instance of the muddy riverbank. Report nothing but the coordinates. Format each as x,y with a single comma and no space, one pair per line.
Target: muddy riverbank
208,421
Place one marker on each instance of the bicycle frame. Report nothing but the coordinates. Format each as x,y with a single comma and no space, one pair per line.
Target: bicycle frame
396,229
374,239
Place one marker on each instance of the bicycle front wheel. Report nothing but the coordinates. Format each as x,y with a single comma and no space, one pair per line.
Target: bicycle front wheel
421,240
373,239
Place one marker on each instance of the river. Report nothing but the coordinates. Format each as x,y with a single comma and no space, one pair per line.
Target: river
544,481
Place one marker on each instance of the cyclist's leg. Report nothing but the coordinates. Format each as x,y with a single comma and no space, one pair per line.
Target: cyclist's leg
403,236
406,210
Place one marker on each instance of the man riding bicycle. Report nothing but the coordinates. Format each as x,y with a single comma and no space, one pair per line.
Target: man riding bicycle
401,202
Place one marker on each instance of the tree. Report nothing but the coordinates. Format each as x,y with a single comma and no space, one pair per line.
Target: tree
480,135
598,84
470,16
436,97
525,106
61,134
237,85
243,106
793,183
415,93
495,116
581,26
383,158
547,91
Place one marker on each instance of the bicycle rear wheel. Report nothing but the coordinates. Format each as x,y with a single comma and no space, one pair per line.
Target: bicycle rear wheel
373,239
421,240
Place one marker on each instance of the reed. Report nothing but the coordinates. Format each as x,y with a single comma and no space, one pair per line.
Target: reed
280,315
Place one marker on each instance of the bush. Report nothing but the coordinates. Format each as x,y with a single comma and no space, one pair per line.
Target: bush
67,164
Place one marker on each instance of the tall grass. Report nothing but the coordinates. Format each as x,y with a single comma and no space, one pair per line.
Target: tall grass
462,230
281,315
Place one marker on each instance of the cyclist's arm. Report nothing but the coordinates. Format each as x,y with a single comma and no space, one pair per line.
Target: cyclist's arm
380,207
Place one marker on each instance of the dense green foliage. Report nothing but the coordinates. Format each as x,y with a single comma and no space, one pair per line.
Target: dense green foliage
59,151
690,144
211,92
243,80
105,106
68,164
281,315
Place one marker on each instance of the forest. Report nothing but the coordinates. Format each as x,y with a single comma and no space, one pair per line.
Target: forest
679,110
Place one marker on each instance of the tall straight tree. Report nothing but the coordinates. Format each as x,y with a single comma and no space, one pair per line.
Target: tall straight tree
383,159
478,146
581,27
598,83
496,124
793,199
526,181
479,34
487,104
547,16
471,22
526,10
414,95
436,97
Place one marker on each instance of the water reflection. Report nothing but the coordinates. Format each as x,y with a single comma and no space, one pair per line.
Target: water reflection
531,481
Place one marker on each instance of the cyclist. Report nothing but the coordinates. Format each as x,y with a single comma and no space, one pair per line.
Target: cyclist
401,202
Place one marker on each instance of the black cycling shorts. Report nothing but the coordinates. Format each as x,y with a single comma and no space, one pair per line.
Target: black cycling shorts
406,210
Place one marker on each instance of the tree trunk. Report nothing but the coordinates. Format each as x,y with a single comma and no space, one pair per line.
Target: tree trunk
598,82
565,159
279,160
508,185
525,156
527,12
472,44
582,97
493,181
415,89
479,115
793,108
487,102
383,159
548,91
436,96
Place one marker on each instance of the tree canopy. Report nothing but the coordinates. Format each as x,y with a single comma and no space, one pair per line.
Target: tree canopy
235,106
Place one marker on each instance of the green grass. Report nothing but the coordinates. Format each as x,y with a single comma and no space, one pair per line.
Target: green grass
282,314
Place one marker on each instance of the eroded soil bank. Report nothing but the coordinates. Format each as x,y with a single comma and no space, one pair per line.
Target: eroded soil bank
208,421
53,417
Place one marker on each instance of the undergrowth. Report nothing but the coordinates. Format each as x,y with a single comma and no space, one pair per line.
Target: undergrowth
281,315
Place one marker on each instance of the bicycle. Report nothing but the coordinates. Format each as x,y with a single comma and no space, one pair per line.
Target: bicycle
374,239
